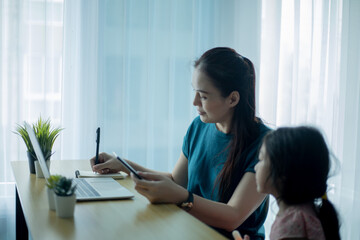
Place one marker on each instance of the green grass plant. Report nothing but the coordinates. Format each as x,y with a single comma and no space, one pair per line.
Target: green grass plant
44,132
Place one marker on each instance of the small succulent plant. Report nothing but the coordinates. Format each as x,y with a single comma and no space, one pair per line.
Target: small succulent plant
52,180
64,187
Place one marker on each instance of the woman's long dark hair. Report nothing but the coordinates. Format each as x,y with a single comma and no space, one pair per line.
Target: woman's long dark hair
229,71
299,168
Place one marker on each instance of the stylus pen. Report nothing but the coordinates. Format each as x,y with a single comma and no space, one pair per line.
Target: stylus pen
97,145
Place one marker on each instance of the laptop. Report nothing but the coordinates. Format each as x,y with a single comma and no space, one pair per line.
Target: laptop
87,189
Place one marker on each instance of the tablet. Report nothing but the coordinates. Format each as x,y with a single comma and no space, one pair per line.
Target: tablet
131,169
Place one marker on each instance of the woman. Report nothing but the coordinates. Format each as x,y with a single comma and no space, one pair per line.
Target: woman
214,177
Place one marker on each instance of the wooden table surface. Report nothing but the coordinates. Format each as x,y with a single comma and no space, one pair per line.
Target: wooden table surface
136,218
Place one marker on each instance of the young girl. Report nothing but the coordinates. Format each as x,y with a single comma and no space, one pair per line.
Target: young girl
293,167
214,178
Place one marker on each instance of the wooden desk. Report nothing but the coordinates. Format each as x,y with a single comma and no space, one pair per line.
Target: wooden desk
116,219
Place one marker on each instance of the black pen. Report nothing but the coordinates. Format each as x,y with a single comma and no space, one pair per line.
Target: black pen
97,145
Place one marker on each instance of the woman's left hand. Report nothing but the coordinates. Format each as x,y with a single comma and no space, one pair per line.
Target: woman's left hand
159,189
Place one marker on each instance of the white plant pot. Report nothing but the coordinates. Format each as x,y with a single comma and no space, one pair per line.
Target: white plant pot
65,206
38,170
51,198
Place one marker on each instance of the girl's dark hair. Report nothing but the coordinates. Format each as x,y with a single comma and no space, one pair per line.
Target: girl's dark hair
229,71
299,168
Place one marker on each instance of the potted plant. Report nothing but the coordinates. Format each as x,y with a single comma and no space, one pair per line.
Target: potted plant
46,136
51,183
65,197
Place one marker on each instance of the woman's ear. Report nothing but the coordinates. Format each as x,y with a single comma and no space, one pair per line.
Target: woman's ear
234,98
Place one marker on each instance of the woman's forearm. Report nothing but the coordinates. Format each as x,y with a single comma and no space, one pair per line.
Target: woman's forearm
218,214
244,201
140,168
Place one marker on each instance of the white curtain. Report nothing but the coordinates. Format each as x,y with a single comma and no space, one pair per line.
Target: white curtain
127,68
309,74
125,65
30,80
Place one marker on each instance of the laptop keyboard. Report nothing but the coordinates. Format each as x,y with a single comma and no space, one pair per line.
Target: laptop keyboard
84,189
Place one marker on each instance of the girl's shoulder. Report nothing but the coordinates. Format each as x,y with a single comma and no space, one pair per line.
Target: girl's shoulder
297,221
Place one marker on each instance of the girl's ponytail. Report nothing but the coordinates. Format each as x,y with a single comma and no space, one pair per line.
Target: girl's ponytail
329,220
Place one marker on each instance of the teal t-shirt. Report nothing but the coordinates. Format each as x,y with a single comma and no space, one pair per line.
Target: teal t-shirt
205,147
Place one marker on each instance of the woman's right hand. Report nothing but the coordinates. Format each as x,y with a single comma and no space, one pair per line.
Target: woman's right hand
107,164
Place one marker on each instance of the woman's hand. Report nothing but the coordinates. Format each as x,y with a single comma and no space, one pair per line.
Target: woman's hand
159,188
107,164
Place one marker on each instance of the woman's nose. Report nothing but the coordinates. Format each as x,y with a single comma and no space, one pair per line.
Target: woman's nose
196,99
